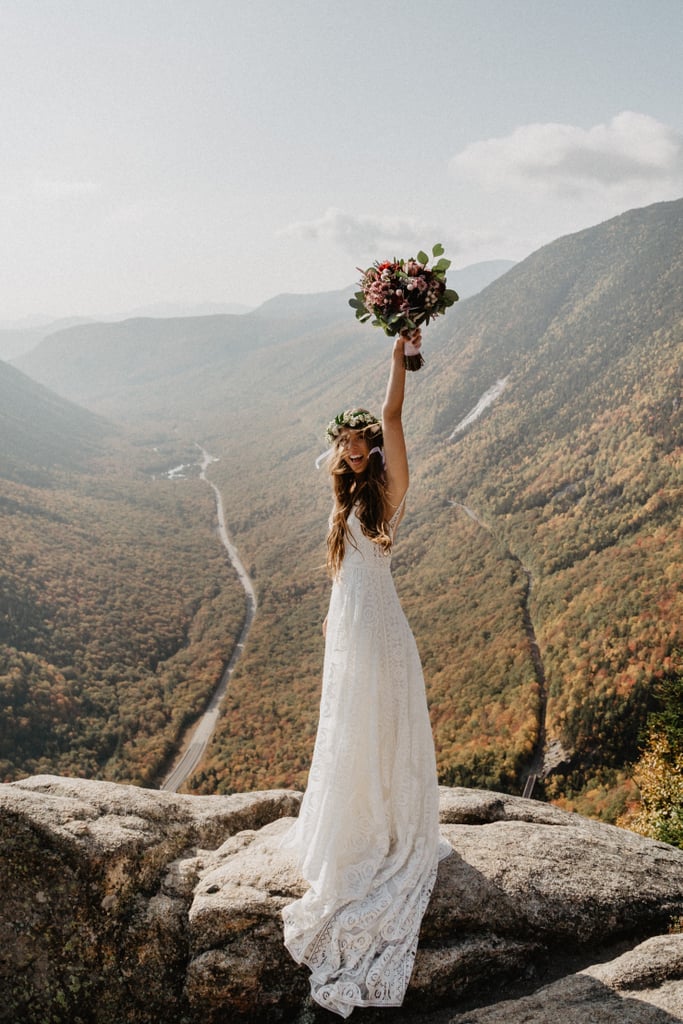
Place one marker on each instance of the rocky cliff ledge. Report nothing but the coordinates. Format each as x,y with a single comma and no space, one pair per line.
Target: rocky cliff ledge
121,905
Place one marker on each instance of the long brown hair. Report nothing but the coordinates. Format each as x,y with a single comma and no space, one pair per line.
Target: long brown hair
367,491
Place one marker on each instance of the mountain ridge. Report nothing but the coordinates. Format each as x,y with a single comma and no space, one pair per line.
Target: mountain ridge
40,429
17,345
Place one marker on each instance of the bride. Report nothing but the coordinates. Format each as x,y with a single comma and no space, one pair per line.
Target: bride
367,837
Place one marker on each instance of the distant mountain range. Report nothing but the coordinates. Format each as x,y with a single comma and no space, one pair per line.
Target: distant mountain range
15,339
100,364
20,337
538,559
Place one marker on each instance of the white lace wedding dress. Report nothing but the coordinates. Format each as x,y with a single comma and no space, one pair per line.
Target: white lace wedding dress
367,836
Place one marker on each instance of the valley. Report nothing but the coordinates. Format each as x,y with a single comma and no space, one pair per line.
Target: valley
545,442
194,747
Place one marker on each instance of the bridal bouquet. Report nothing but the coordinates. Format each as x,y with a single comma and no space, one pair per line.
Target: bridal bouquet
404,294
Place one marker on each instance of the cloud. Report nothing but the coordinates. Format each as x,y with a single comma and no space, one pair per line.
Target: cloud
361,234
631,152
368,237
509,195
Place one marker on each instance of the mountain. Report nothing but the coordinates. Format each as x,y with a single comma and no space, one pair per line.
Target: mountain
538,559
162,366
15,339
308,308
40,430
102,365
467,281
536,562
182,309
472,279
574,474
19,337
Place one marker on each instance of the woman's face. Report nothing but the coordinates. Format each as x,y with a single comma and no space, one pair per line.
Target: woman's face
356,449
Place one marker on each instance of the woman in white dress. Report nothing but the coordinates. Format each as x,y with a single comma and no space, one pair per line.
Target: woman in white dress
367,836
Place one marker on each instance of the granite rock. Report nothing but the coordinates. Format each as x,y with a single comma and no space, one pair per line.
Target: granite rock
120,904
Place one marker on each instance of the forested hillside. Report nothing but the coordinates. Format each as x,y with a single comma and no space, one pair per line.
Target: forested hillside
577,470
539,559
539,562
117,608
38,429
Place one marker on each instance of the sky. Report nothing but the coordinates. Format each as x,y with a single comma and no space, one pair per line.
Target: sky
222,151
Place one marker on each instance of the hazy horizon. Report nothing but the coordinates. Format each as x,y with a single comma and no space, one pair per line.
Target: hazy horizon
468,280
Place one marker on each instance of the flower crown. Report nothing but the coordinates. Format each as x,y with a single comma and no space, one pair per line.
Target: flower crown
352,419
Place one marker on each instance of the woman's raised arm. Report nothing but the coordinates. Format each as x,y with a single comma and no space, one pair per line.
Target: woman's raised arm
395,455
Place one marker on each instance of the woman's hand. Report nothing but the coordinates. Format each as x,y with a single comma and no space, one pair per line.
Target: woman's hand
413,338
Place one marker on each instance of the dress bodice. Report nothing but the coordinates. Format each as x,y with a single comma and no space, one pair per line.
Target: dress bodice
360,551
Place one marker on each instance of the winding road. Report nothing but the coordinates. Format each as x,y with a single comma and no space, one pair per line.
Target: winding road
196,747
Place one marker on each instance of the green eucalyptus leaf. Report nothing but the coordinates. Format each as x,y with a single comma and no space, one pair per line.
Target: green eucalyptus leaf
450,296
438,250
442,265
422,257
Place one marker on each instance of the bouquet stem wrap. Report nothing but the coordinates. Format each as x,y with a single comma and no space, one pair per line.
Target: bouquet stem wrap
412,357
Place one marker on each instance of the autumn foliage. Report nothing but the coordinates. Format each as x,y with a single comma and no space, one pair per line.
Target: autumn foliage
538,562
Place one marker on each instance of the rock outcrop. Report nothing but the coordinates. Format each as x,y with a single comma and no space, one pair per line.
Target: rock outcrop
120,905
643,986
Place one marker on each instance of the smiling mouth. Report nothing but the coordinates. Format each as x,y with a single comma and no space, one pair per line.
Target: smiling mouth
355,458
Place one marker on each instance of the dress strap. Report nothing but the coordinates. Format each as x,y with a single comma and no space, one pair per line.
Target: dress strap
397,514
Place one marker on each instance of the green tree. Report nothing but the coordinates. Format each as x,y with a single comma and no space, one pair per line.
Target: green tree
659,771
